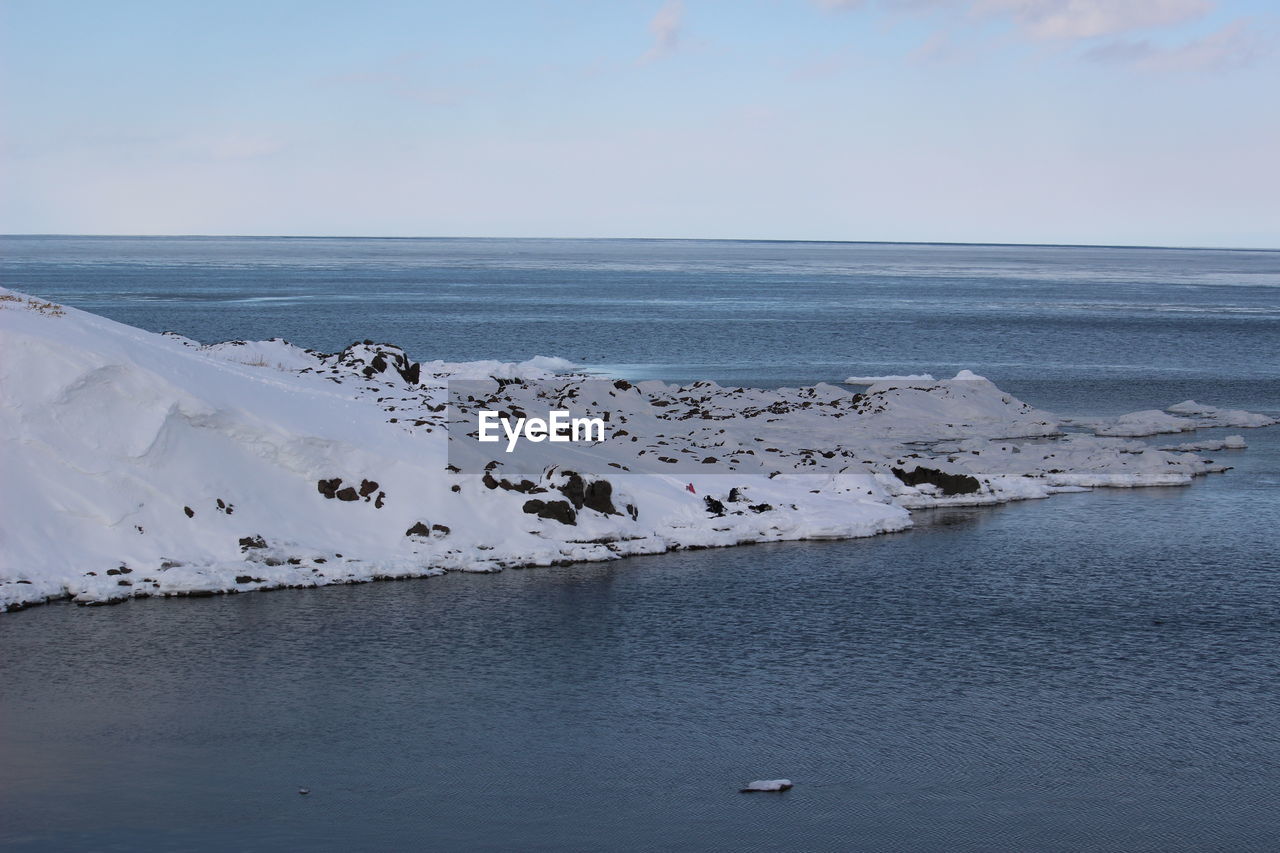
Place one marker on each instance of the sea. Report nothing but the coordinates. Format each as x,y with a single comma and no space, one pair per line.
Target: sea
1094,672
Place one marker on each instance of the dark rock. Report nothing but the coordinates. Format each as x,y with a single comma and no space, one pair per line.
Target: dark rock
247,579
367,487
734,495
443,529
760,507
599,496
575,489
714,506
561,511
329,488
247,542
534,506
379,502
191,513
950,484
524,486
347,494
418,529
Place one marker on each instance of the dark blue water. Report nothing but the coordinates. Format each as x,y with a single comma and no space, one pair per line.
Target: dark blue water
1094,672
725,310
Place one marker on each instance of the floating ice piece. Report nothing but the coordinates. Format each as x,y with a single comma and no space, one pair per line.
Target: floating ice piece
550,363
1157,422
1134,424
1231,442
767,785
1191,407
872,380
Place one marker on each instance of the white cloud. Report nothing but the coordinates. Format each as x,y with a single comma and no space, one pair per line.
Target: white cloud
1055,19
1236,45
1079,19
665,26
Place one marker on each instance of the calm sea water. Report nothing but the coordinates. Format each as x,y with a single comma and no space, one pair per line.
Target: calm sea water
1094,672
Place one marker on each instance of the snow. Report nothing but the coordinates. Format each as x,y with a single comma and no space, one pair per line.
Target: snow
1187,416
872,380
1231,442
548,363
138,464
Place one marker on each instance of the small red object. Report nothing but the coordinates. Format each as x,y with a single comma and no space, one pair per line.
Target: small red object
691,488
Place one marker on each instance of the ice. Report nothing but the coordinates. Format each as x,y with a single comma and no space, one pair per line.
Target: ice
1192,416
1231,442
768,785
872,380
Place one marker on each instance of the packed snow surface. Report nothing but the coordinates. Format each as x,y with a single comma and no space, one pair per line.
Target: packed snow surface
140,464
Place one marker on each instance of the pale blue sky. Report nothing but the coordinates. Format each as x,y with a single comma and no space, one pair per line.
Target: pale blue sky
1065,121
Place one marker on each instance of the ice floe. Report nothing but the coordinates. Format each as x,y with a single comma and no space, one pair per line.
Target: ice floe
1231,442
1182,417
872,380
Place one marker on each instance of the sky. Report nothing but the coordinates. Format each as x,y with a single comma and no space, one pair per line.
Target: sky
1120,122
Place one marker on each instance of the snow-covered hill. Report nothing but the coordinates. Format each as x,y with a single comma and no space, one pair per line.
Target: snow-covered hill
135,464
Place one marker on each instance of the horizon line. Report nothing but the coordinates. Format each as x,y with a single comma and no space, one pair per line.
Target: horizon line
1037,245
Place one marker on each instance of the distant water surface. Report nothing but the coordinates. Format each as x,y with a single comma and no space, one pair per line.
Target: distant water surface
1097,671
732,311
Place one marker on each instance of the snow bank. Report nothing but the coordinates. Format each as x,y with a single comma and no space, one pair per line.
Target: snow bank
138,464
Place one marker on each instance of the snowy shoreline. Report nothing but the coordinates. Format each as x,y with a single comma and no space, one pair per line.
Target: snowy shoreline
138,464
